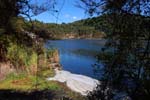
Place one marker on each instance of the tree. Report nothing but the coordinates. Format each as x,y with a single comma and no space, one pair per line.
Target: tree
25,8
126,67
14,40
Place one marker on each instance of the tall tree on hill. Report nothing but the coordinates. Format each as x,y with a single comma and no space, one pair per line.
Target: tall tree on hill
126,68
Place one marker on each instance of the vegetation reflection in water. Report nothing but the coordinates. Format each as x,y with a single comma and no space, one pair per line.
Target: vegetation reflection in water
79,55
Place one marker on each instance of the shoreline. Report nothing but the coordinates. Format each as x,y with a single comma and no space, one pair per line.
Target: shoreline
77,83
98,38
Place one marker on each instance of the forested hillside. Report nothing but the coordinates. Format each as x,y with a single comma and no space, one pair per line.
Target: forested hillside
88,28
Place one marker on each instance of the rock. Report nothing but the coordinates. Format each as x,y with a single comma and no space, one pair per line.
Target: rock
78,83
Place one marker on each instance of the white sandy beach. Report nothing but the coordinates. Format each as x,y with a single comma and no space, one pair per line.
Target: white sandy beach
78,83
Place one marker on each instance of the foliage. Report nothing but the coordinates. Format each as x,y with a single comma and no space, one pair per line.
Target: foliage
83,28
51,52
23,83
27,8
102,91
47,73
18,52
22,51
16,31
21,56
99,23
126,68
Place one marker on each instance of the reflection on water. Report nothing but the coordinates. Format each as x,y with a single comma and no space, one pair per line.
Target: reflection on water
77,56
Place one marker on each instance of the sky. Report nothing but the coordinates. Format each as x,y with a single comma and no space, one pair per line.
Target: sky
68,12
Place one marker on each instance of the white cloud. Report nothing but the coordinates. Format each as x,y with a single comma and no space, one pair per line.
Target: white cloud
70,17
74,17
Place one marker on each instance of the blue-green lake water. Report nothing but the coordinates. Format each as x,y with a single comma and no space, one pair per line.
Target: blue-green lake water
79,55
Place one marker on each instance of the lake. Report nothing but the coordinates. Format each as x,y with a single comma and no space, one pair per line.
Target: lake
79,55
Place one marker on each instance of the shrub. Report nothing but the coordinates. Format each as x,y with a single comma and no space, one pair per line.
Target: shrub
21,56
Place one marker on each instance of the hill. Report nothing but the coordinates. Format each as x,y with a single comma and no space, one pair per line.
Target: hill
88,28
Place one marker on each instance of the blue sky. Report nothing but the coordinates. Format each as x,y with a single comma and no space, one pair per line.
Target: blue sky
68,13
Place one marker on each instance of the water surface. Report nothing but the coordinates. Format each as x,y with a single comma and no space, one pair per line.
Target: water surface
77,56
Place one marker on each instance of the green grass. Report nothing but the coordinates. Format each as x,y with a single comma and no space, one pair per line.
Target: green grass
29,83
23,82
24,60
47,73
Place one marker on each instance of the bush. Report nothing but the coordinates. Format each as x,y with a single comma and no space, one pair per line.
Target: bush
21,56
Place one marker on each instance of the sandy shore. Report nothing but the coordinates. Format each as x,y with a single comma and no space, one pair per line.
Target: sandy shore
78,83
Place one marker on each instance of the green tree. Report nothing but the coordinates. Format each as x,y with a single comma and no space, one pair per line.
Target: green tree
26,8
14,24
126,68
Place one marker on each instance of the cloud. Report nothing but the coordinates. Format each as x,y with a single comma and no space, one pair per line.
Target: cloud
70,17
74,17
